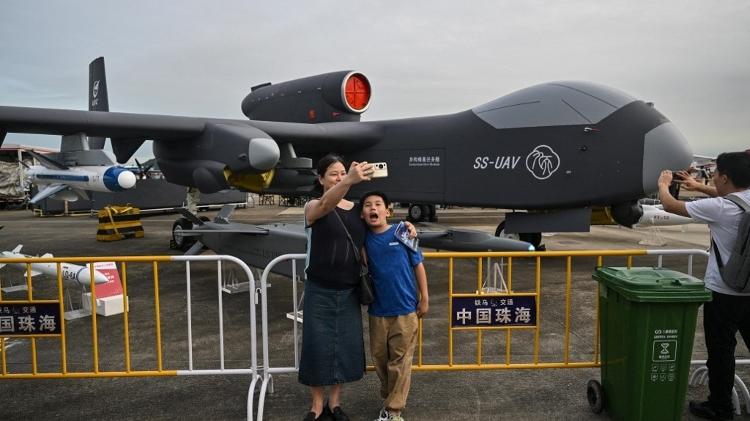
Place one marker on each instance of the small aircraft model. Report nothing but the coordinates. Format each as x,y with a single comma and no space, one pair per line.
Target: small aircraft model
70,272
548,153
656,216
652,215
81,165
61,182
257,245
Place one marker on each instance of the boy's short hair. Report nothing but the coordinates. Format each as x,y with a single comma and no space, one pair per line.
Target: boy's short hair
378,193
736,166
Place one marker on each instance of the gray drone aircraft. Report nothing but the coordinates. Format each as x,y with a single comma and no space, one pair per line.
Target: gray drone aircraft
548,153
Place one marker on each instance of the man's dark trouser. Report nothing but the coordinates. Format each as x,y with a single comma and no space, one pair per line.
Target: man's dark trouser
722,318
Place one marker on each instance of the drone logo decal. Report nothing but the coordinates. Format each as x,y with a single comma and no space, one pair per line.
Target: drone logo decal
542,162
95,90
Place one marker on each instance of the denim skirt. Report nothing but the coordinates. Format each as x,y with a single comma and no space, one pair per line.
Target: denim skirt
333,349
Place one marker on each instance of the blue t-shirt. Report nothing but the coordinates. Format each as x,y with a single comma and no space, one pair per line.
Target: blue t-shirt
391,264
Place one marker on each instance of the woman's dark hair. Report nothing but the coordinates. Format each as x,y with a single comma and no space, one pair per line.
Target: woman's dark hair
736,166
322,167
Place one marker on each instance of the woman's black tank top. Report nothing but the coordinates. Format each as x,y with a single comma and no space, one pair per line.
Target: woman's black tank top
331,260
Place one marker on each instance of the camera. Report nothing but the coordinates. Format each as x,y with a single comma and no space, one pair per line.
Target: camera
380,169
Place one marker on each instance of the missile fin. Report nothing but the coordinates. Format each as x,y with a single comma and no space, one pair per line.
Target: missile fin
195,249
48,162
47,192
81,193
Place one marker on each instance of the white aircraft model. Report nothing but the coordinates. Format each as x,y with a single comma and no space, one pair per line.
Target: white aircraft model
68,183
656,216
70,272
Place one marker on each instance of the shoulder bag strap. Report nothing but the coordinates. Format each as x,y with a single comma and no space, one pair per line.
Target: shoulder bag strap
738,201
354,246
716,252
745,208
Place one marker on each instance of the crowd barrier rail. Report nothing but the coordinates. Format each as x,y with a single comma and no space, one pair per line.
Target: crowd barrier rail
54,321
535,360
526,282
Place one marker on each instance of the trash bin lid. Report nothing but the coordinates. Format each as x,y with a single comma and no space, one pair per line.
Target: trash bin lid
653,284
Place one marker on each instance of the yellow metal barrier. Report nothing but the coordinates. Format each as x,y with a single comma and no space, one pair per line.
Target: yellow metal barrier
508,361
454,277
64,369
10,308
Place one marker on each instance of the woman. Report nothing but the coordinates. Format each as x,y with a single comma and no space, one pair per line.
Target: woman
332,345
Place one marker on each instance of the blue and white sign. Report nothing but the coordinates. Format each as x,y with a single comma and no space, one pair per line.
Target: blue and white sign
29,319
495,311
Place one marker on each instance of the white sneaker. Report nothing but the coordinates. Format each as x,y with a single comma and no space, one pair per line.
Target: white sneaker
383,415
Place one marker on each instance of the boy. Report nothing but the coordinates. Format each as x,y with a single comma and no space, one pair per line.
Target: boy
397,272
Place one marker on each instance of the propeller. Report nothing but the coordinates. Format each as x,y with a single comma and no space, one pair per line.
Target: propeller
143,170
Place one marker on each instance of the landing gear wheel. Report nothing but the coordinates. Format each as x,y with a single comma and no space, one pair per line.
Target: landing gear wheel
182,242
533,238
416,213
431,214
595,396
500,232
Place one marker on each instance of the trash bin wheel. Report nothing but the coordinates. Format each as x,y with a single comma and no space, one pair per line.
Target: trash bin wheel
595,396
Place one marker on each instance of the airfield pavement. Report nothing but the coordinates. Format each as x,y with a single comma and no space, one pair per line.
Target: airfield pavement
523,394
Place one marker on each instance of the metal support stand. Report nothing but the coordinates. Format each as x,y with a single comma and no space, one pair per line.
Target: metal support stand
230,282
494,277
298,316
73,312
13,287
653,238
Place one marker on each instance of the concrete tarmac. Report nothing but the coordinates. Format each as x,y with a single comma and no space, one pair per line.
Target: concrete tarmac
528,394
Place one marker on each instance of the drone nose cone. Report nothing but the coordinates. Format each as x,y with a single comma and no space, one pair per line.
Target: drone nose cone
664,148
126,179
118,179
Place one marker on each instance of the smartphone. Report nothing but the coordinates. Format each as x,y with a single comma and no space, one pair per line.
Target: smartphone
402,234
380,169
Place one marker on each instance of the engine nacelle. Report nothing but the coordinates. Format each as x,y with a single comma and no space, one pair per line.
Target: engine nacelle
626,214
336,96
222,149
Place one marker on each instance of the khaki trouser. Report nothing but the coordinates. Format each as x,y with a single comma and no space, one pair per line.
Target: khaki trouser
392,343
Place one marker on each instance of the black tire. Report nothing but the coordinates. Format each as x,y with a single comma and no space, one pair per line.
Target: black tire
533,238
432,215
595,396
416,213
500,232
182,242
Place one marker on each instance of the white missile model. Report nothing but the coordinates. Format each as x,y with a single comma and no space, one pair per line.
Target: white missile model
656,216
70,272
71,183
61,182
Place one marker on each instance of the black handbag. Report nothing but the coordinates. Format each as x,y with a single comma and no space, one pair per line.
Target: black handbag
365,290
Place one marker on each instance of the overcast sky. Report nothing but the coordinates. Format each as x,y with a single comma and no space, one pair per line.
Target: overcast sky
200,58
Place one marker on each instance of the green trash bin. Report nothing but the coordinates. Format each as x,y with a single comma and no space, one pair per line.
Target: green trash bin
647,322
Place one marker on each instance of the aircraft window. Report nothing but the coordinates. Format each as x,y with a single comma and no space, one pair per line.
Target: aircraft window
553,104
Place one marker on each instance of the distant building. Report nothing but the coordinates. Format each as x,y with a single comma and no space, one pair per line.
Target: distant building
13,186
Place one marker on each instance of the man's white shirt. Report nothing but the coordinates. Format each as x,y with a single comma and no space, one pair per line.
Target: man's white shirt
723,219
